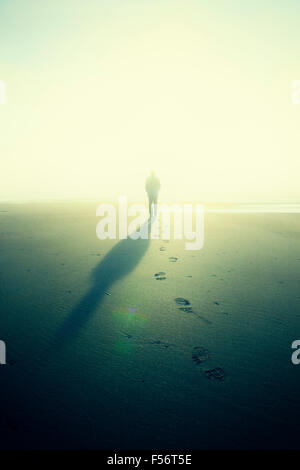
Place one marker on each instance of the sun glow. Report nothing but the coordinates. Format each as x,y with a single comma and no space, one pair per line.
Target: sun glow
133,87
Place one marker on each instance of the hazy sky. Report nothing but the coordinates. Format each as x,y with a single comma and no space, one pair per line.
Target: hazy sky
100,92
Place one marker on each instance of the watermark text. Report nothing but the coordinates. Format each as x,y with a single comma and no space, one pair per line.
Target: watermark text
296,354
2,353
2,92
295,92
180,222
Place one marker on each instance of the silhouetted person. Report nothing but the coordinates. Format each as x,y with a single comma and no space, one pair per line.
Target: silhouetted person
152,188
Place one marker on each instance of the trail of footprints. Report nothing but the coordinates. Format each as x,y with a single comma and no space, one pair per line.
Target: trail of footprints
199,354
162,276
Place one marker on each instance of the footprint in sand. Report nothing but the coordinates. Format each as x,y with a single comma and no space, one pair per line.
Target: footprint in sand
161,276
173,259
216,374
200,354
186,305
182,301
187,308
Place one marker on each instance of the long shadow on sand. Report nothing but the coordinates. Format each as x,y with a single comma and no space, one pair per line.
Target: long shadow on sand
116,264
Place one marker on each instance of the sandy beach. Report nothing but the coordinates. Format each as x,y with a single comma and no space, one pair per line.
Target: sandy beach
145,344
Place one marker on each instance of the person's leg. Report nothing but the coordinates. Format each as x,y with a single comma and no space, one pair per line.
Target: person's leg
150,204
155,206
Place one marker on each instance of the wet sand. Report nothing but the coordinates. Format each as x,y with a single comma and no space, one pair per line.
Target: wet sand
144,344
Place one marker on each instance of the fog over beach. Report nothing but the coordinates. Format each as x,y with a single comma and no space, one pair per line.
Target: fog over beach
115,115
